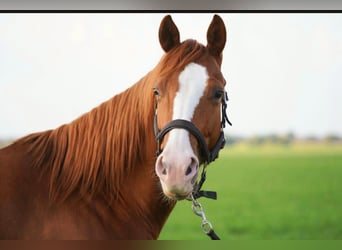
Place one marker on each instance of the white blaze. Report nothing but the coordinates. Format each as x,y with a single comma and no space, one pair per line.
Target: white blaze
192,83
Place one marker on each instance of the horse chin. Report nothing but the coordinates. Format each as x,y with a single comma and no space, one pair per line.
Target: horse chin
176,195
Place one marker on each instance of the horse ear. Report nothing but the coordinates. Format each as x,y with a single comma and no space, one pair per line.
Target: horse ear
168,34
216,37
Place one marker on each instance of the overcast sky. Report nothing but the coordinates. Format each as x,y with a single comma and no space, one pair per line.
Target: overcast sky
284,71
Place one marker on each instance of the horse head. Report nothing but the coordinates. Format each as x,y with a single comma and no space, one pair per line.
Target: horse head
189,95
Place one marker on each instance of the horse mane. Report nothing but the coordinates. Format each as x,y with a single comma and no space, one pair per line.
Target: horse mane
92,154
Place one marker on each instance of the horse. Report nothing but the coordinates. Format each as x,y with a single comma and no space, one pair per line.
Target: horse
99,176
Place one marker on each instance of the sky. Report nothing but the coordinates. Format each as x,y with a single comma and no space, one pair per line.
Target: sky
283,71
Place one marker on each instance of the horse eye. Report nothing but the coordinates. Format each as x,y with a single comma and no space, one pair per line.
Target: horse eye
218,94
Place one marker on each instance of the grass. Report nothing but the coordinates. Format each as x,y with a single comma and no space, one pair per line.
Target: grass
269,192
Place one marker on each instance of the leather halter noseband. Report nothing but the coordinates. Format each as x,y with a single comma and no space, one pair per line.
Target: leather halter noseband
209,156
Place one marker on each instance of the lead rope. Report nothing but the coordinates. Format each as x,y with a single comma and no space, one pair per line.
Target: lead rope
206,225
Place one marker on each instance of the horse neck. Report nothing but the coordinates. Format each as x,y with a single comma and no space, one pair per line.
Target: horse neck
141,206
107,154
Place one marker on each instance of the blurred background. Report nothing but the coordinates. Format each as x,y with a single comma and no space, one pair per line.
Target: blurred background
279,176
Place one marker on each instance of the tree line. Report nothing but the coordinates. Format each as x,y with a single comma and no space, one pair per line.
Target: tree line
284,139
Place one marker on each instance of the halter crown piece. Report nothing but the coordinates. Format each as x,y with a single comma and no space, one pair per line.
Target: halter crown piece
209,156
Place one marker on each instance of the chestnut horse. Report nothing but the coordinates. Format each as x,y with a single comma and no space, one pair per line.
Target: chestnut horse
98,177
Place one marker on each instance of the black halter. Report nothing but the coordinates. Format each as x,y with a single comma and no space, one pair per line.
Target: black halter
208,155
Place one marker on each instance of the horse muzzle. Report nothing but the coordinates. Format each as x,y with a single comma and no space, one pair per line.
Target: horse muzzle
177,173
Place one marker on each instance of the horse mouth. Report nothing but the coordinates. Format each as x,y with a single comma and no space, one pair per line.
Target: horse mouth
177,196
179,193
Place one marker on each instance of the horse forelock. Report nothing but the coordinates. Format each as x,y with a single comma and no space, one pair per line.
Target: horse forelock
179,57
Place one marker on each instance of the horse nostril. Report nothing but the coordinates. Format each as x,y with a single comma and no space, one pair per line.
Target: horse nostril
161,167
188,170
191,169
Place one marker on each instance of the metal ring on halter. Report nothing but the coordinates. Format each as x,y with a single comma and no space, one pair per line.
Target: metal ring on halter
198,210
206,226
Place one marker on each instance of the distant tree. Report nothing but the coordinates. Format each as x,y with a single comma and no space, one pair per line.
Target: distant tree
256,140
272,138
332,138
286,139
311,138
230,140
291,136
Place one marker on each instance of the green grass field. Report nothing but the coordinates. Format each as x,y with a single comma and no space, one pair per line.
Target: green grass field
268,192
